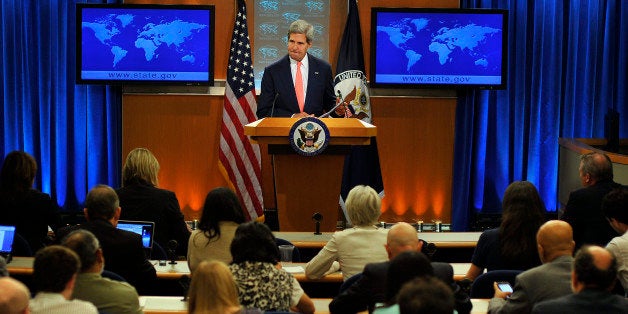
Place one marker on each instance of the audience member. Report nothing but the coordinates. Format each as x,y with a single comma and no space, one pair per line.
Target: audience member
593,277
583,210
513,244
349,250
222,213
54,274
3,267
369,289
109,296
14,297
403,268
142,199
615,208
213,290
123,250
555,246
29,210
261,282
425,295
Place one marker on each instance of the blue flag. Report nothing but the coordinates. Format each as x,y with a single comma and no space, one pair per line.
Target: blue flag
362,163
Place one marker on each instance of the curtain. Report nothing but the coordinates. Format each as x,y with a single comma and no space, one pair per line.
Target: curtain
73,131
567,67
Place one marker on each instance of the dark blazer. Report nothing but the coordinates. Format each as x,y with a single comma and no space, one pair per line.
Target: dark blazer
584,213
586,301
371,289
148,203
124,254
31,213
277,81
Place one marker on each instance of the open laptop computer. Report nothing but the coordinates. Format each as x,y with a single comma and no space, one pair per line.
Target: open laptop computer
146,229
7,235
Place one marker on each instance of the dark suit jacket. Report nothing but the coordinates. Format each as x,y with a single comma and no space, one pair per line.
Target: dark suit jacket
583,212
148,203
277,79
586,301
371,289
31,213
123,252
545,282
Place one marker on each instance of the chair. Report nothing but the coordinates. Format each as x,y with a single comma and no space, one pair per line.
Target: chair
158,252
482,286
349,282
296,255
111,275
21,246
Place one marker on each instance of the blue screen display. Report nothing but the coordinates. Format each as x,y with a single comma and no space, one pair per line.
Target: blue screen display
7,234
144,230
438,47
144,43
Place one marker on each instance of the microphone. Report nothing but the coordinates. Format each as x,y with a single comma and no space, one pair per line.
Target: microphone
317,217
172,247
326,114
272,110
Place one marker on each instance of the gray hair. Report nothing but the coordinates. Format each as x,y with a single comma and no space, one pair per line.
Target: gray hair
598,165
363,205
302,27
84,244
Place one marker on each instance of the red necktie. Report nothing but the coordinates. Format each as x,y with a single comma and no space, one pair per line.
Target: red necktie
298,87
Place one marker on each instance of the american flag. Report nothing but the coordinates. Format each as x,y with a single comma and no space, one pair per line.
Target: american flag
239,159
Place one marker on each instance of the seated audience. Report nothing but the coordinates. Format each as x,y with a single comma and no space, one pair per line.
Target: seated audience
54,274
14,297
109,296
349,250
615,208
261,281
403,268
593,277
142,199
29,210
213,290
221,216
513,244
123,250
425,295
369,289
555,246
584,206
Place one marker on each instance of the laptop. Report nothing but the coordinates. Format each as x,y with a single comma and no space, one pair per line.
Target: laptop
146,229
7,235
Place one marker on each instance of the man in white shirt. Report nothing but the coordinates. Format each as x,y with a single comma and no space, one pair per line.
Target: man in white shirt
54,274
614,206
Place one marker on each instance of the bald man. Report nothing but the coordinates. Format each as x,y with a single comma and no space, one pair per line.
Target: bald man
14,297
369,289
555,246
593,277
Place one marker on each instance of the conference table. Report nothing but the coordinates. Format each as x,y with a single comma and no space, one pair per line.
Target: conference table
176,305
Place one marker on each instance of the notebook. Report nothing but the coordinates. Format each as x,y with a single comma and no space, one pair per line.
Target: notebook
7,235
146,229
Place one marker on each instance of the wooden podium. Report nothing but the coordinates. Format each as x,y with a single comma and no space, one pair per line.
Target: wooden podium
307,185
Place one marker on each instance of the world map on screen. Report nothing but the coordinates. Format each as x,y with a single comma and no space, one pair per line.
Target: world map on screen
119,41
429,45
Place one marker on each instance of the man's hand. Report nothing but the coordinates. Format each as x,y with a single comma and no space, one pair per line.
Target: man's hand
500,294
302,115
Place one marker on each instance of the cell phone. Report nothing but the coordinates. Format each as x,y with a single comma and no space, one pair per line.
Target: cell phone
504,286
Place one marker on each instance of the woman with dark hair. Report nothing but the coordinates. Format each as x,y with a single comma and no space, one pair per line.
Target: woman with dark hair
513,244
29,210
261,281
221,216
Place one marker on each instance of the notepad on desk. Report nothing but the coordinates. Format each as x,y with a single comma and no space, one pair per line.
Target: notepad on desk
294,269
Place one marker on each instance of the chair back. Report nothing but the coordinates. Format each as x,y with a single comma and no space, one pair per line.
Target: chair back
482,286
157,252
296,255
111,275
349,282
21,246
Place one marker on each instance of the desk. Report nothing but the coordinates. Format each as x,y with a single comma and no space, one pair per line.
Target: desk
309,240
176,305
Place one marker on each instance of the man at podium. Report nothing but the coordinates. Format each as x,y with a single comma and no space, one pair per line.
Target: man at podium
299,84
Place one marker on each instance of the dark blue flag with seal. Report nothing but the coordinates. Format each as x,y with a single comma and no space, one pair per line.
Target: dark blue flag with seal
350,85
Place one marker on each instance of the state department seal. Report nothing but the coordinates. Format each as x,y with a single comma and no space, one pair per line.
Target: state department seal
309,136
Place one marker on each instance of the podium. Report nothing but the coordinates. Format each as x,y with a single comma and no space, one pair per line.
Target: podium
308,185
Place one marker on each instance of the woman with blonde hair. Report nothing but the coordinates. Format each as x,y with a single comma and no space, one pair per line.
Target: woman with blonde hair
349,250
213,290
142,199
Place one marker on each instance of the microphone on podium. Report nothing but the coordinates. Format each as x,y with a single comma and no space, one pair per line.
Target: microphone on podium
317,217
172,251
272,110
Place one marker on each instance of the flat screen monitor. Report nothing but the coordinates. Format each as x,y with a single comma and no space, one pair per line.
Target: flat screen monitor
7,235
145,44
439,48
146,229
